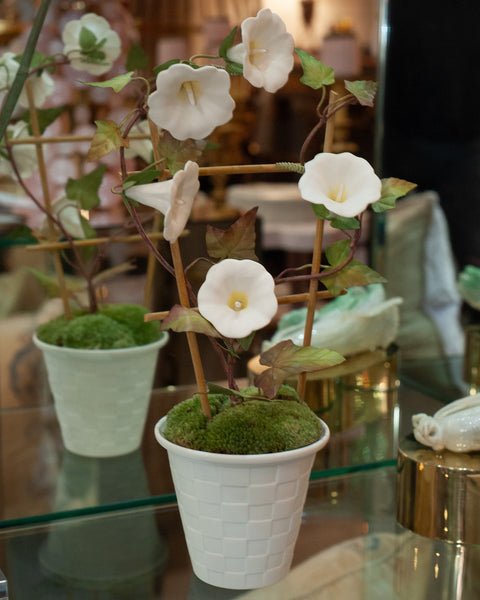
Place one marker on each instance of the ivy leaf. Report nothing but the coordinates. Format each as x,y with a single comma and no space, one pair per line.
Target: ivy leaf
141,177
164,66
336,221
85,189
227,44
392,189
182,319
364,91
246,342
45,116
176,152
38,61
137,58
88,230
321,212
87,40
107,138
315,73
116,83
354,273
286,359
21,235
233,67
236,242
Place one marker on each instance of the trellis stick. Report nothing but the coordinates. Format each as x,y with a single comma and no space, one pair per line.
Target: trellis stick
185,301
63,139
316,263
287,299
92,242
157,221
46,197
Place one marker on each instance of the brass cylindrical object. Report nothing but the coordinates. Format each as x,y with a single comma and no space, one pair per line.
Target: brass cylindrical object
471,359
438,493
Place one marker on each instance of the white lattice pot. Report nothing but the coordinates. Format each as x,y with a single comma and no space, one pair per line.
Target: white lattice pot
101,396
241,514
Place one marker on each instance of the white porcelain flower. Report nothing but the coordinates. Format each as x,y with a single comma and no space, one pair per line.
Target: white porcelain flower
190,103
266,51
90,44
237,297
68,213
345,184
25,155
141,148
42,83
173,198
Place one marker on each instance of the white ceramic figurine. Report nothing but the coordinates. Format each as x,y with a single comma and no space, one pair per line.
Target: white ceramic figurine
454,427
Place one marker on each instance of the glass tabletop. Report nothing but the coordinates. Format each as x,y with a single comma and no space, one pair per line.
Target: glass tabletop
349,548
41,481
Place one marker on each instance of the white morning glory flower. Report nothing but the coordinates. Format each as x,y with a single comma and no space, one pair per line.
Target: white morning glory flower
42,84
90,44
25,155
190,103
345,184
173,198
237,297
68,213
141,148
266,51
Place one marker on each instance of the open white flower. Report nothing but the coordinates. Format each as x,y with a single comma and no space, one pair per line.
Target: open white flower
190,103
173,198
25,155
90,44
141,148
237,297
68,213
345,184
42,83
266,51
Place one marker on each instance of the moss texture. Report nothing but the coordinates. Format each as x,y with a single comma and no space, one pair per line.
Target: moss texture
114,326
251,427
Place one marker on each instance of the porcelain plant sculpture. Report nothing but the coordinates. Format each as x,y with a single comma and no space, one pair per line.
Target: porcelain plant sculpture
455,427
264,434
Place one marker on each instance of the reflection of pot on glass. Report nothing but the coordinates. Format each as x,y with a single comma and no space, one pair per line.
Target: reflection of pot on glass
102,552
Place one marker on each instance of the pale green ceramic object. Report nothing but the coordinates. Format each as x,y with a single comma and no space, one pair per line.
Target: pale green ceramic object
469,286
363,319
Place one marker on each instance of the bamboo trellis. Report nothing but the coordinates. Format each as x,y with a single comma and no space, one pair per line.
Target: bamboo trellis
53,245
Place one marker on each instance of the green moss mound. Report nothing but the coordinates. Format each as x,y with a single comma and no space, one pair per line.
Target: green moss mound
252,427
114,326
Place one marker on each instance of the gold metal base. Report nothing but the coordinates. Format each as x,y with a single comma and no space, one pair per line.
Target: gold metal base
438,493
360,390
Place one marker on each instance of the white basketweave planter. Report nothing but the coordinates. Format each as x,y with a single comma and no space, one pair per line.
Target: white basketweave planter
241,514
101,396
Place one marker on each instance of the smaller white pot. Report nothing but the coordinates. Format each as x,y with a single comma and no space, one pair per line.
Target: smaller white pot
101,396
241,514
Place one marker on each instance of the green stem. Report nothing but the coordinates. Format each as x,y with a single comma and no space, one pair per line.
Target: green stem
22,73
195,56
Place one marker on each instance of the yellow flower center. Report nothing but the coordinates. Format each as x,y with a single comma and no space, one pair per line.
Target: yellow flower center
338,193
255,53
238,301
190,91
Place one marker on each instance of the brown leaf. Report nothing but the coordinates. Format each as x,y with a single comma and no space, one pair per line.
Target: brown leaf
238,241
182,319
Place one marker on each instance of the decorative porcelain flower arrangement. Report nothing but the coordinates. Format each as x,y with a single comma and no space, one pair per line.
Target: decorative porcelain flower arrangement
188,102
